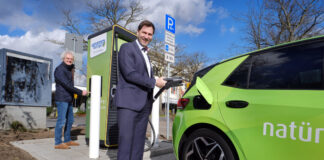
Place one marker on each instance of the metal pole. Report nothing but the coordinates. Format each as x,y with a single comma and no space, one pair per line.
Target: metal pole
74,39
168,105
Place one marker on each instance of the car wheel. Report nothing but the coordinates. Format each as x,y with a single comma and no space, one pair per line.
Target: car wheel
206,144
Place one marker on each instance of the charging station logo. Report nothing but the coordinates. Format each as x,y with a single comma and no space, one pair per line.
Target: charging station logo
98,45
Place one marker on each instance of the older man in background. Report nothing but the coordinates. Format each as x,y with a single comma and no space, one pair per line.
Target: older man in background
65,89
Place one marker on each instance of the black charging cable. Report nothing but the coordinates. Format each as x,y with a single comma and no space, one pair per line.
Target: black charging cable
171,82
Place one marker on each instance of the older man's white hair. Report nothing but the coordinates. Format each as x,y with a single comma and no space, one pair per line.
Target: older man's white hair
64,53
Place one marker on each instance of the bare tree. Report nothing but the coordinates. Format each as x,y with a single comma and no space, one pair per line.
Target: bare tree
254,23
157,57
272,22
103,14
70,24
188,64
106,13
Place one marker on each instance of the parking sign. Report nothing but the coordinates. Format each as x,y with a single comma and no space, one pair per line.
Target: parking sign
170,24
169,39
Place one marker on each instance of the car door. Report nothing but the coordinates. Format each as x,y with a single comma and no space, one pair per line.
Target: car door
273,103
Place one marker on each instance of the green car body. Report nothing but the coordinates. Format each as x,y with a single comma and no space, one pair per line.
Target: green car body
280,119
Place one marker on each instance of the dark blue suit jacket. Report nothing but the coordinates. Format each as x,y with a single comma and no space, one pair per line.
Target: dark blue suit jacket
134,86
64,83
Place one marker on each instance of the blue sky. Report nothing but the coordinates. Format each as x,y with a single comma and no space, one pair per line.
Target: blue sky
221,31
201,25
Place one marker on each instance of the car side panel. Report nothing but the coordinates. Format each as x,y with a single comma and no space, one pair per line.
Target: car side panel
277,124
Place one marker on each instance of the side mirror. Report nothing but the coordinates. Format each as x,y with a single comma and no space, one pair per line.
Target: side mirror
204,90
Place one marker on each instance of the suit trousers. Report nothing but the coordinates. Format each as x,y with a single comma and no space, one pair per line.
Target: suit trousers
132,132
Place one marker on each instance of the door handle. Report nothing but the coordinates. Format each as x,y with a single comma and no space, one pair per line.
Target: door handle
237,104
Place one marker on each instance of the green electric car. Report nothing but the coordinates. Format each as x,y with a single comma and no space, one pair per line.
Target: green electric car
266,104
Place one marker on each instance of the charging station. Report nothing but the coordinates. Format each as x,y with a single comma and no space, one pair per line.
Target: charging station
103,48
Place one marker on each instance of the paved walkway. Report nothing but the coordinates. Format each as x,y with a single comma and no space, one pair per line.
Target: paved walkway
43,149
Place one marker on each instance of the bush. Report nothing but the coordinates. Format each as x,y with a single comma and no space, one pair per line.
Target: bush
49,110
80,112
17,126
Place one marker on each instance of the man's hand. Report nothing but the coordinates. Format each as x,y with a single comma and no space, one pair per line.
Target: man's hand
160,82
84,93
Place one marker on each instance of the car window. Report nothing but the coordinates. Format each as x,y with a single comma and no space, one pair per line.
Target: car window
298,67
239,77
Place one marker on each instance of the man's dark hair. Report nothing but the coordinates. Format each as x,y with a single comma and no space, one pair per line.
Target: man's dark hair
146,23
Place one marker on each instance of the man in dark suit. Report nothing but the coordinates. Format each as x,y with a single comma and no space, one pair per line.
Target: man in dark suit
134,95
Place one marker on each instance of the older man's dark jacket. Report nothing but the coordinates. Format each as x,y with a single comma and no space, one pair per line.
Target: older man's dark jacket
64,83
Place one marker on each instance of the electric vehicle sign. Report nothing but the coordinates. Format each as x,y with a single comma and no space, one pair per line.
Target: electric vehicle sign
98,45
170,49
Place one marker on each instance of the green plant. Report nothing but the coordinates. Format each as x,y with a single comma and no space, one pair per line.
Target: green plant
49,110
80,112
17,126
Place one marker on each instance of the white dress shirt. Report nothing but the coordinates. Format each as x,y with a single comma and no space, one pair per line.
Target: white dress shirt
144,52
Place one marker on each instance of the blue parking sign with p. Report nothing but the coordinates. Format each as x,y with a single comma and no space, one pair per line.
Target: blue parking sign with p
170,24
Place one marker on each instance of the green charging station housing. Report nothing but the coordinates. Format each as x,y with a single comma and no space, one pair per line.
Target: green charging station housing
102,60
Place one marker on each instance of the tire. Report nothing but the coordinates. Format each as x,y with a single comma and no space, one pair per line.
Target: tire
206,144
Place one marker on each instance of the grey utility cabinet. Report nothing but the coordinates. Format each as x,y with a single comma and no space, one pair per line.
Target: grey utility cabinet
25,79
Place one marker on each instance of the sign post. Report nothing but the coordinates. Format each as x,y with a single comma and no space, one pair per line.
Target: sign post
169,41
75,43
